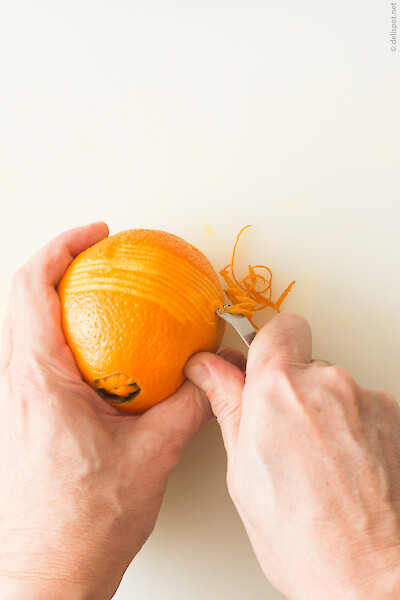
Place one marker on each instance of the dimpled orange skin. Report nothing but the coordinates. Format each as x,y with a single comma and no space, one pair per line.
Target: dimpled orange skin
135,307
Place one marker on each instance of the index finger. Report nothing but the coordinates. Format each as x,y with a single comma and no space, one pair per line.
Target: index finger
285,339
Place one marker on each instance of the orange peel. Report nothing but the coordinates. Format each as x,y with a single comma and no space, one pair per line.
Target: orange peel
242,293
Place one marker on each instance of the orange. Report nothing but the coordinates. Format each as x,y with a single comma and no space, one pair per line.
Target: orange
135,307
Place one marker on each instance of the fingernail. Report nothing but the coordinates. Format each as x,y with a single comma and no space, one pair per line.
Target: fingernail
198,374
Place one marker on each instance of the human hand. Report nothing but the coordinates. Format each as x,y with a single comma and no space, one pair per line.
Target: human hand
313,466
80,484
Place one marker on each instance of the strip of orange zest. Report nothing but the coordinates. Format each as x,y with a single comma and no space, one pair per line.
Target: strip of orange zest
242,294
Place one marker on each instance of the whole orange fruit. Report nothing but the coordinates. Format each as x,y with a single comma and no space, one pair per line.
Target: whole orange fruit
135,307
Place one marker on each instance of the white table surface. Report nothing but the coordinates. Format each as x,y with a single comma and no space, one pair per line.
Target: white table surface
182,115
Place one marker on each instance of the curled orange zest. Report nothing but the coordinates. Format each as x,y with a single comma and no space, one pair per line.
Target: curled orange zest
244,298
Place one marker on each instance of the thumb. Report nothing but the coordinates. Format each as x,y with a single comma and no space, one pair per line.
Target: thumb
222,380
36,321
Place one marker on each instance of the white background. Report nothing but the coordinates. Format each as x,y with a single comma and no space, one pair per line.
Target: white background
180,115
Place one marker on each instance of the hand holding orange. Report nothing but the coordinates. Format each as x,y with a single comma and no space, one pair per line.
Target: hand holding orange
135,307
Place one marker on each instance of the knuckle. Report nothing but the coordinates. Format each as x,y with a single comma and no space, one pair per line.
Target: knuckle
53,254
223,402
19,279
279,374
214,392
280,367
341,386
387,398
271,379
57,251
338,375
256,385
